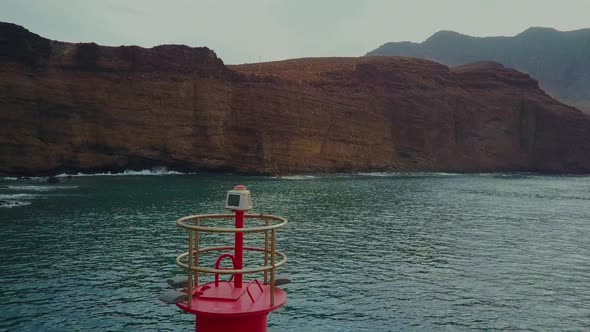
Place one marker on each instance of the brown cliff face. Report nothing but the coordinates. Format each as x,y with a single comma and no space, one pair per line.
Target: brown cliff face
84,107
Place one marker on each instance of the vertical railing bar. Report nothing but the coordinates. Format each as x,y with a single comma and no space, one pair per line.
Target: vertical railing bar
189,291
267,222
197,237
272,271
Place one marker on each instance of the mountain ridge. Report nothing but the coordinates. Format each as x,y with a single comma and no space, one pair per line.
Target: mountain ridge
560,60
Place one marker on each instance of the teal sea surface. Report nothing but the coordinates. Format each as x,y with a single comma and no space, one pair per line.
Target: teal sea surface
367,252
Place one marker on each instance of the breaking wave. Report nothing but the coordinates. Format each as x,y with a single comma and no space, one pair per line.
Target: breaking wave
16,196
379,174
297,177
40,188
155,171
11,204
14,200
413,174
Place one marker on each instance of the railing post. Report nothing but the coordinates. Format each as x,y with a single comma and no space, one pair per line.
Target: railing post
239,248
272,271
267,222
197,236
189,291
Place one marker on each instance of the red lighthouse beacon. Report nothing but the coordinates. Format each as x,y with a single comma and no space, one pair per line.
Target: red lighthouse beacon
239,304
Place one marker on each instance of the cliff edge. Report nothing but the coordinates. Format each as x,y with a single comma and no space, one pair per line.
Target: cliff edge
82,107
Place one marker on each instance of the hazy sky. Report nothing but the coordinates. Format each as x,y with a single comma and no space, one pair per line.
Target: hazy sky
243,31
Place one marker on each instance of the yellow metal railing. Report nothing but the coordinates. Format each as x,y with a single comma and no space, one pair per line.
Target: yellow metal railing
190,260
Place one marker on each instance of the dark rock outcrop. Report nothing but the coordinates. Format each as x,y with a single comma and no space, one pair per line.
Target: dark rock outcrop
84,107
560,60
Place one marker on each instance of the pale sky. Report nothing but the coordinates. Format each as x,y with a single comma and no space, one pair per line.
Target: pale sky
244,31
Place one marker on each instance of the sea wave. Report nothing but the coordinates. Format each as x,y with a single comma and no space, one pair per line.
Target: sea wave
17,196
379,174
443,174
40,188
22,195
297,177
394,174
155,171
11,204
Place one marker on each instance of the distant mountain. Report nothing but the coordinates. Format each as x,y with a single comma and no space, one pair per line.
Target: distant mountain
560,60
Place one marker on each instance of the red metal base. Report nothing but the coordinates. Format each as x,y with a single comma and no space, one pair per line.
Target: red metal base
256,323
227,308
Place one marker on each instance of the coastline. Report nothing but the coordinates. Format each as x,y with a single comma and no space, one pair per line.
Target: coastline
160,171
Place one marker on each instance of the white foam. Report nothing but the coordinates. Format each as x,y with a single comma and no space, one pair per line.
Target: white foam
380,174
11,204
401,174
40,188
33,178
17,196
296,177
154,171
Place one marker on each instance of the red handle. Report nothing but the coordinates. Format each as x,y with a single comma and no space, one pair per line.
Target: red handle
218,261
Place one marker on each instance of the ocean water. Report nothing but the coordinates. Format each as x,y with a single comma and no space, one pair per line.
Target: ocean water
367,252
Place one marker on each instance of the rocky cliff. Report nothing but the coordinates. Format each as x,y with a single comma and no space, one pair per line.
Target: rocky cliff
84,107
560,60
